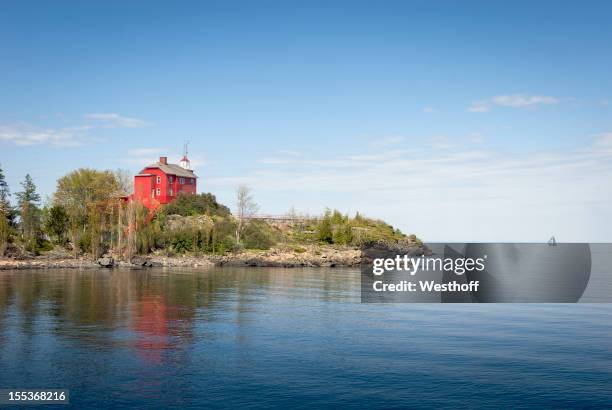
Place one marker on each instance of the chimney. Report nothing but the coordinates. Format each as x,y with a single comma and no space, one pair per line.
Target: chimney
163,160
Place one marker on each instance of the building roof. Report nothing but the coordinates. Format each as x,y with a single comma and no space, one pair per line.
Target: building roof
171,169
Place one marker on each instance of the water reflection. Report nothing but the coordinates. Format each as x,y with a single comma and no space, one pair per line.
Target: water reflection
290,338
155,309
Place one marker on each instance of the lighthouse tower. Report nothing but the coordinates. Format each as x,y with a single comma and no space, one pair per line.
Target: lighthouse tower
184,162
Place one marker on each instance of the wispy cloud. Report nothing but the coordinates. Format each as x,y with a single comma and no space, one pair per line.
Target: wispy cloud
479,106
427,109
512,101
140,157
114,120
603,144
25,134
463,193
475,138
441,142
522,100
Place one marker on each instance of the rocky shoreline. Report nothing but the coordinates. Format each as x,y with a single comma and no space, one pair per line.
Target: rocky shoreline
319,257
313,256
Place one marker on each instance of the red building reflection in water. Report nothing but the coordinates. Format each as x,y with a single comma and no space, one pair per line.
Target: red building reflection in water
150,319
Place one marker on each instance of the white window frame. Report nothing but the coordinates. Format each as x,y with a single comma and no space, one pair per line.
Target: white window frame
182,181
170,192
158,192
158,179
170,178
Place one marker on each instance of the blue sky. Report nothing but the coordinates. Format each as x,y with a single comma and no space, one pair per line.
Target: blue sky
453,120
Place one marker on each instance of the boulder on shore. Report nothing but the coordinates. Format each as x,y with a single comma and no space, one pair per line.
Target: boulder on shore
106,262
144,261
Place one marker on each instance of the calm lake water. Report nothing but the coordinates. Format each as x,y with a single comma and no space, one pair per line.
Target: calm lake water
290,338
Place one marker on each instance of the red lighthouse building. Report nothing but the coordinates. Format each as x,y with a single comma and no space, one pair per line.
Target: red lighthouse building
160,183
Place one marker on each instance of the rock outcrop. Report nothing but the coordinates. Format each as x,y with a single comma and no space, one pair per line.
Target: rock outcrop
329,256
106,262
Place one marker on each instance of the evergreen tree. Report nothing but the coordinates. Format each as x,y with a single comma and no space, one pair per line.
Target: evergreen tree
4,234
56,222
5,205
7,214
324,229
29,213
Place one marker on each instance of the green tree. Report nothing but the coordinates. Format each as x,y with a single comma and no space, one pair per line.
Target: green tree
56,222
29,212
343,234
6,214
6,208
5,231
324,228
87,195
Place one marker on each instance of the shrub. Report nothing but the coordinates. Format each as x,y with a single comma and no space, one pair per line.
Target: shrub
84,241
324,229
335,228
343,234
189,204
37,245
259,235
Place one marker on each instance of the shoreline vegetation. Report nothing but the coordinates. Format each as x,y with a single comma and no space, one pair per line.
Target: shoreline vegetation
88,224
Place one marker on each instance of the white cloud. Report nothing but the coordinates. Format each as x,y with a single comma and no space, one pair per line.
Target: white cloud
26,134
475,138
453,194
521,100
427,109
114,120
140,157
513,101
23,134
602,144
441,142
479,106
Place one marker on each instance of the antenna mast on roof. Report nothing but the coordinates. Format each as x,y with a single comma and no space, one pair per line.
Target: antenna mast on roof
185,163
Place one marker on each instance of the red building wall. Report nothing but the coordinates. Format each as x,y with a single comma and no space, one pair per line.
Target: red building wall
143,186
153,187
